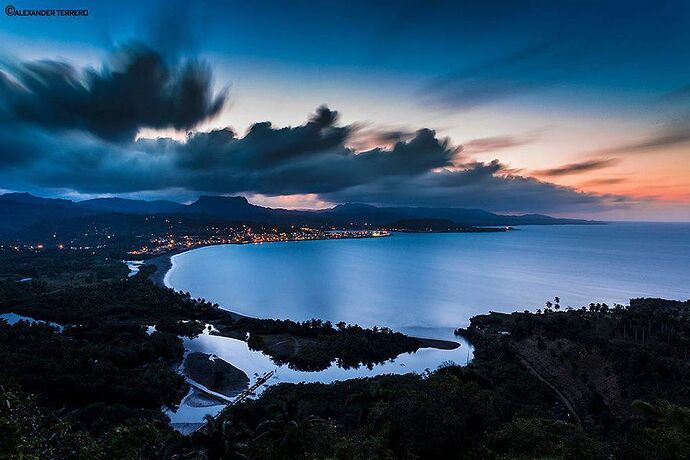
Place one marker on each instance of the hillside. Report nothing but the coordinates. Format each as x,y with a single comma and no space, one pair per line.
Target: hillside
22,211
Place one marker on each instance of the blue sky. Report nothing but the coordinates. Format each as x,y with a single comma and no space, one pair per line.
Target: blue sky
589,97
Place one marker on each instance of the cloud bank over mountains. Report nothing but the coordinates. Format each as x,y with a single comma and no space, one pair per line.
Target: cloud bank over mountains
74,129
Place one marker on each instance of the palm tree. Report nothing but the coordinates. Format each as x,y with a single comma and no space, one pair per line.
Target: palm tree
223,438
285,426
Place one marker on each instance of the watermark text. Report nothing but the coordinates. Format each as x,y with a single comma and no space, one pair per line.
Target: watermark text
10,10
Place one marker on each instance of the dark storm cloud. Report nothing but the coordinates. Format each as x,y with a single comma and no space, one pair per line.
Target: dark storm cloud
74,130
477,186
365,138
309,158
577,168
136,88
265,146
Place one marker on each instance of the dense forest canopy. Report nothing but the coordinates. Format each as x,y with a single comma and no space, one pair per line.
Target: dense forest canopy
595,382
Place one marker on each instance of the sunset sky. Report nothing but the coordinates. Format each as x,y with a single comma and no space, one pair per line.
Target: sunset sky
570,108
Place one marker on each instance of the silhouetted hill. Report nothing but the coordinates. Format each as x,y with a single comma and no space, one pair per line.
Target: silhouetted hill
225,206
372,215
21,210
123,205
437,225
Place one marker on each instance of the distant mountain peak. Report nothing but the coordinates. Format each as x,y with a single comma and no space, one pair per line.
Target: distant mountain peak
128,205
17,195
215,199
26,197
19,210
226,206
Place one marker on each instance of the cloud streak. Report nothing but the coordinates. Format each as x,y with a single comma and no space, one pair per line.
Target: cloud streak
604,181
672,134
495,143
491,80
577,168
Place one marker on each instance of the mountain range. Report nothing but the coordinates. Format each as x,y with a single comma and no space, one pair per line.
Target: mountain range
20,210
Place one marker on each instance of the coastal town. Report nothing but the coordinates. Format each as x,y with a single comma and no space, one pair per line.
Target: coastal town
246,235
157,235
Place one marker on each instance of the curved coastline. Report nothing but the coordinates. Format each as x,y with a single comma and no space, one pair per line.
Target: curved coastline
164,264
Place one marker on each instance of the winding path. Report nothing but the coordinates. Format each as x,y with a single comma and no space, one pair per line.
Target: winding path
558,392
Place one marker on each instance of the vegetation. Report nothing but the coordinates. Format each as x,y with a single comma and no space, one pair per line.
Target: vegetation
596,382
454,412
50,269
138,301
623,370
29,430
87,365
87,393
321,343
556,384
215,374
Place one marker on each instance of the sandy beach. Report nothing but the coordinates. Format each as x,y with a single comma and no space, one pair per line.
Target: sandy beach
163,264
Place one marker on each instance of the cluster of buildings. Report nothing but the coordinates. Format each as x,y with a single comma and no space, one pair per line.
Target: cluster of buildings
38,247
176,239
246,235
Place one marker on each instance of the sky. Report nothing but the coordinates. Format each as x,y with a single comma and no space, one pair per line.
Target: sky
570,108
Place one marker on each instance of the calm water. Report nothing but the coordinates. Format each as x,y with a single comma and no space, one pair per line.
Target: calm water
410,281
426,284
13,318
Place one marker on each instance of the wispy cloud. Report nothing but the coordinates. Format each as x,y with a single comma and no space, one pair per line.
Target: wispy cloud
545,62
671,134
496,143
603,181
577,168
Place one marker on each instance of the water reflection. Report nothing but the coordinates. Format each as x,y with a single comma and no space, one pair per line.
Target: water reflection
13,318
255,363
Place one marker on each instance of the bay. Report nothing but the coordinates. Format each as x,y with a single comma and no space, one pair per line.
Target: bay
424,285
438,281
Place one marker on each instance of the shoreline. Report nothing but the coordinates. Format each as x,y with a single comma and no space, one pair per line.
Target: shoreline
163,264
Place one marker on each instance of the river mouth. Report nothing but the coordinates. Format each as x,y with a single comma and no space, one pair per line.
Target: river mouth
255,364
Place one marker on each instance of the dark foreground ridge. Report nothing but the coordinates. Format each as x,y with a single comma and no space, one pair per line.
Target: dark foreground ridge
599,382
